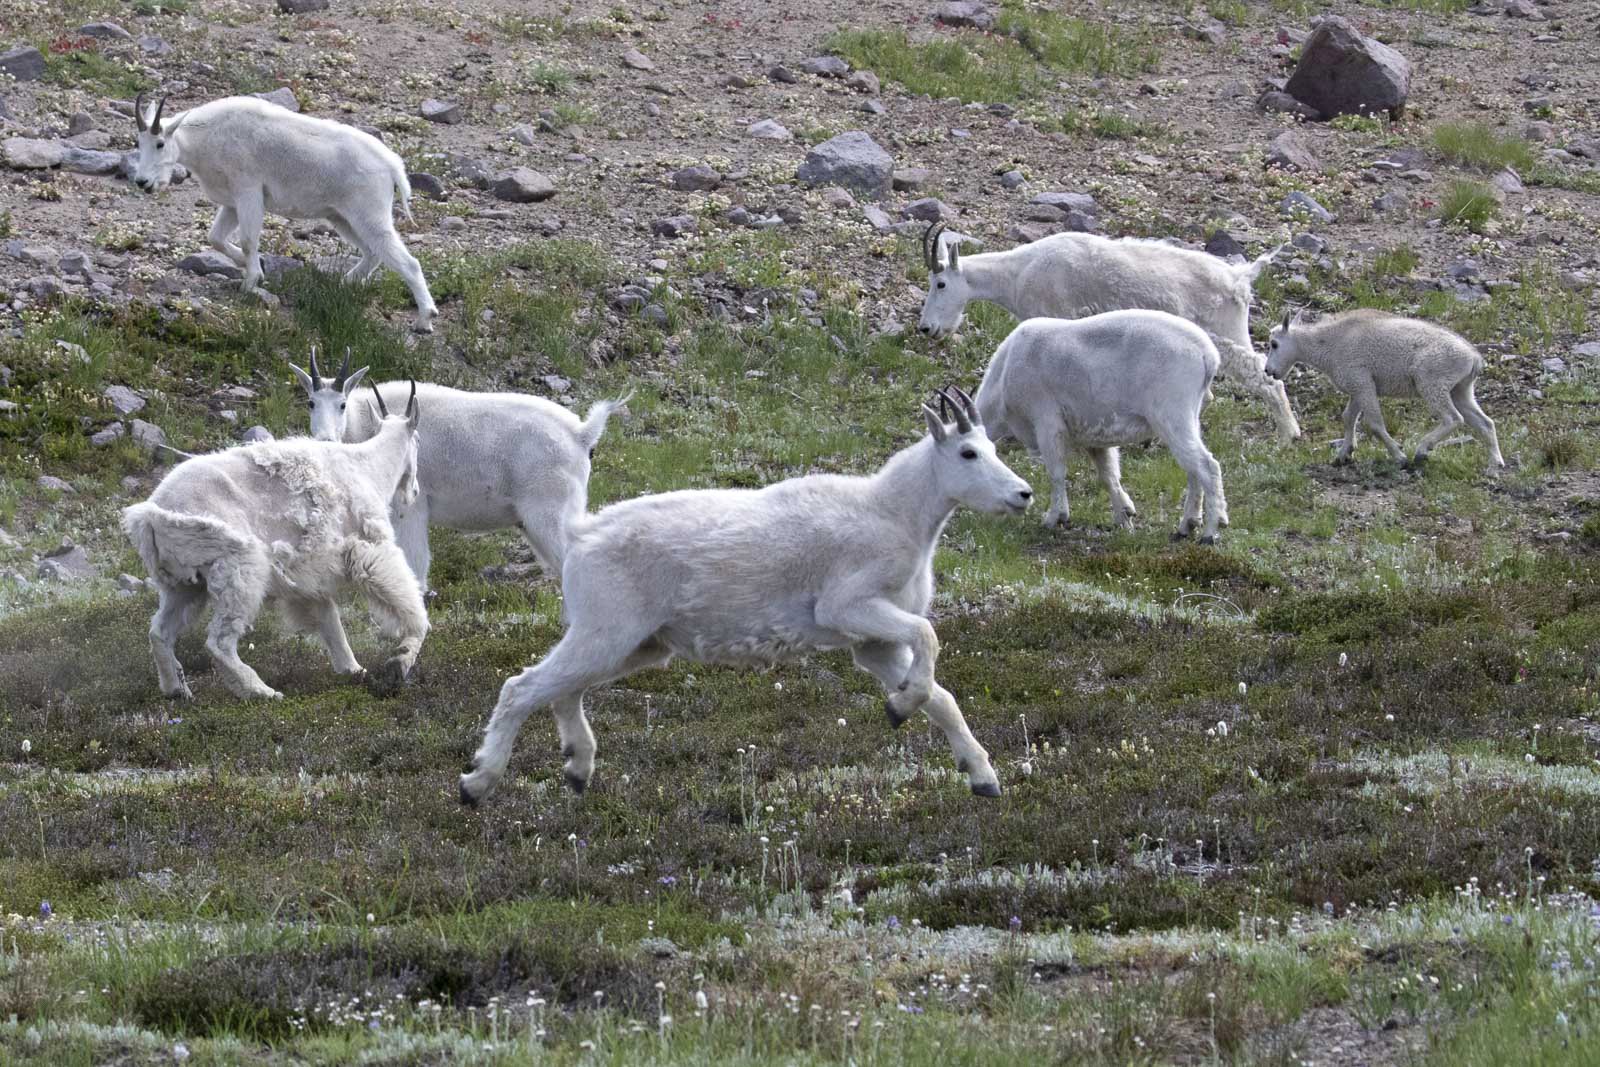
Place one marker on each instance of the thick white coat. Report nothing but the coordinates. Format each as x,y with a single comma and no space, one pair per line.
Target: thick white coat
1112,379
295,521
487,461
1071,275
251,157
753,576
1368,354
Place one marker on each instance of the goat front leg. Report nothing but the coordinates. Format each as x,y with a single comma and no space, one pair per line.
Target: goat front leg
1108,462
888,663
222,227
179,605
875,619
1352,423
1053,452
395,600
1372,414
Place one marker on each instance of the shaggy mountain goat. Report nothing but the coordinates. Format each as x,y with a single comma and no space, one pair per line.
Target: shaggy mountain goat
488,460
746,576
1111,379
292,521
1368,354
251,157
1070,275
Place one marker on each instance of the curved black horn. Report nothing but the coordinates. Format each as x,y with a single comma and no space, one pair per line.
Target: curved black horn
155,120
316,375
344,371
934,233
138,113
963,423
966,402
944,406
411,403
382,411
927,253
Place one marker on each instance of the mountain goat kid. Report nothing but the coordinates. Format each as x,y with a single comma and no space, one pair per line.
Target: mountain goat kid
251,157
753,576
1368,354
1111,379
488,460
293,521
1070,275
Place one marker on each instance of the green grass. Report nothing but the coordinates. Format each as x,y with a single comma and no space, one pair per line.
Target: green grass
1478,146
1470,205
88,69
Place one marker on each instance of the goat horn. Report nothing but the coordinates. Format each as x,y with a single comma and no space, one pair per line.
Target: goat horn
316,375
411,404
155,121
934,234
383,411
927,255
966,402
944,407
344,371
138,113
963,423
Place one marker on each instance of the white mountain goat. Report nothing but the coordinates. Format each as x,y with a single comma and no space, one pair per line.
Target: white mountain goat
251,157
753,576
292,521
1112,379
488,460
1368,354
1070,275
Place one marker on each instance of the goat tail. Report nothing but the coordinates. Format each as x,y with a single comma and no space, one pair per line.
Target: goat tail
594,424
177,548
402,186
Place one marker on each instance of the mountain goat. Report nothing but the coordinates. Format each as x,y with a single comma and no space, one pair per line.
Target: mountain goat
292,521
1070,275
488,460
747,576
251,157
1111,379
1368,354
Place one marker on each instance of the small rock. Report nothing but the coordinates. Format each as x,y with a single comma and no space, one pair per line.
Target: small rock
1291,149
908,178
88,161
783,75
1068,202
871,106
556,383
1206,29
1587,350
1223,244
104,31
853,160
210,262
446,112
79,122
452,223
1539,132
256,435
674,226
1277,100
929,209
51,482
1507,181
1463,269
738,215
24,64
148,434
426,184
835,197
826,66
768,130
696,179
654,314
283,96
1523,9
74,262
878,218
301,7
523,186
108,436
637,60
29,153
151,45
66,563
863,81
523,133
1554,365
123,399
735,81
1297,202
1029,232
1012,179
969,13
1309,242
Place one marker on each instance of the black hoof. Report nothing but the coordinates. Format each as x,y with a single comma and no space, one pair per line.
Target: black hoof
575,783
467,799
568,752
987,789
896,720
1179,535
1208,539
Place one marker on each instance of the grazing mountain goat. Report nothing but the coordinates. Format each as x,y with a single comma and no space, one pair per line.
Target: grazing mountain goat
1111,379
488,460
1070,275
251,157
293,521
753,576
1368,354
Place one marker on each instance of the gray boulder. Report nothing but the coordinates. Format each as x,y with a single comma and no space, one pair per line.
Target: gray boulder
1343,73
24,64
523,186
930,209
446,112
256,435
66,564
769,130
104,31
31,153
826,66
969,13
1068,202
108,436
89,160
1298,202
1291,149
301,7
674,226
210,262
123,399
148,434
283,96
852,160
696,179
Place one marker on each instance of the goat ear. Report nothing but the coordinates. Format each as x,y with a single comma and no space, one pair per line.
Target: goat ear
936,425
955,255
354,380
1288,317
305,379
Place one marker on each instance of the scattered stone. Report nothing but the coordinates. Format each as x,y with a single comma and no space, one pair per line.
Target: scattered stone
969,13
523,185
1587,350
853,160
878,218
151,45
1554,365
104,31
1277,100
301,7
863,81
1585,147
452,223
1343,73
929,209
51,482
696,179
88,161
108,436
1012,179
148,434
769,130
523,133
1539,132
256,435
783,75
908,178
130,583
1309,242
29,153
445,112
1523,9
1298,202
123,399
74,351
872,106
654,314
826,66
67,563
8,406
1507,181
24,64
210,262
959,134
1079,222
738,215
1291,149
1391,203
735,81
283,96
1069,202
1223,244
426,184
674,226
637,60
1029,232
835,197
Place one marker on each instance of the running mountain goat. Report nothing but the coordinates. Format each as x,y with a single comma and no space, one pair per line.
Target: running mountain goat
1070,275
488,460
292,521
1368,354
1112,379
251,157
754,576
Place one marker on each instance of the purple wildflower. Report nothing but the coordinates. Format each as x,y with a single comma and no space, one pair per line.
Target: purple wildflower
1015,923
45,911
667,880
892,923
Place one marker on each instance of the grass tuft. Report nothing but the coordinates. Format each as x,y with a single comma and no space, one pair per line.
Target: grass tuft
1476,145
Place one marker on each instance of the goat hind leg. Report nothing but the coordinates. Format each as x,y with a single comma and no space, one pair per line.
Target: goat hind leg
222,227
179,605
379,236
1441,404
971,757
572,725
369,260
1108,462
395,600
1481,425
